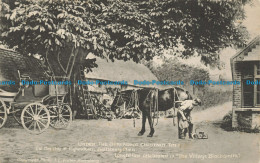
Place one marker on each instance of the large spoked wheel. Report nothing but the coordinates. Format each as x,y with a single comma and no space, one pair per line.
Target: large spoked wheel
3,113
35,118
61,116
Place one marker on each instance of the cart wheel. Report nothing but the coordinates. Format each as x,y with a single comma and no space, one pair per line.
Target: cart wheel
3,113
17,116
61,116
35,118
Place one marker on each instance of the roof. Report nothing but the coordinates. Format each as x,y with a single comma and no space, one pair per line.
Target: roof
120,70
12,61
250,53
93,88
254,55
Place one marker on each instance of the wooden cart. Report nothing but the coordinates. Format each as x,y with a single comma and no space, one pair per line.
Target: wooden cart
36,107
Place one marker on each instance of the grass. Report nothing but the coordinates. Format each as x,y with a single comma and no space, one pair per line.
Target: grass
212,98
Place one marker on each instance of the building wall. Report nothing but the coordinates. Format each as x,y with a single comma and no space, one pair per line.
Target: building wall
245,117
237,89
237,96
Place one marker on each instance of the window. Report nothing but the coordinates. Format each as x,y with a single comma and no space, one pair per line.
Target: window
258,69
258,94
251,92
248,95
257,85
247,89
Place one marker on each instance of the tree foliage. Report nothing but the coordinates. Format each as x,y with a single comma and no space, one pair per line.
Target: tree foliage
174,70
124,29
200,26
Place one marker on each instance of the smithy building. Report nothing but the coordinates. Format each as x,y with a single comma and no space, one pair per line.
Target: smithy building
245,67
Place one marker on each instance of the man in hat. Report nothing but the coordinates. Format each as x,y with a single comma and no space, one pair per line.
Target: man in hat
184,117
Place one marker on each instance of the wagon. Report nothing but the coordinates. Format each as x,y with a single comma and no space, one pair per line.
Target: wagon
36,107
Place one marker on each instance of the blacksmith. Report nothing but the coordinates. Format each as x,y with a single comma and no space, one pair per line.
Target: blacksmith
184,117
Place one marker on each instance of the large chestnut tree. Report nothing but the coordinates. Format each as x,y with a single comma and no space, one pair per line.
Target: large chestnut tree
121,29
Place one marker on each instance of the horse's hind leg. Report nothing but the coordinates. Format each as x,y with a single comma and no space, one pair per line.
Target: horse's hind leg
143,124
151,126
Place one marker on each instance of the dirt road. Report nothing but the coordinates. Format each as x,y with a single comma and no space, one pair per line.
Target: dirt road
117,141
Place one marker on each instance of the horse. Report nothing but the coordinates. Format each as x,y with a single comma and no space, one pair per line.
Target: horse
151,100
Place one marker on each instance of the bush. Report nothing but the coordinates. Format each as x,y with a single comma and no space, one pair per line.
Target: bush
212,98
227,125
227,122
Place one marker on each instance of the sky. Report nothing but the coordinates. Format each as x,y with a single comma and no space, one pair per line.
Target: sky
252,22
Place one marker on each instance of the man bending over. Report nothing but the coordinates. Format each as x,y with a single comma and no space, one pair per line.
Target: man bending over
184,117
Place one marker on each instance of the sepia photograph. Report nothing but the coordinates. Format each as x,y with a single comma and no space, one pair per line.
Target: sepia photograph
129,81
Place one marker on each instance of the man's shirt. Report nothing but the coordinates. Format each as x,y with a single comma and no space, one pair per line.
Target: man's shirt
186,106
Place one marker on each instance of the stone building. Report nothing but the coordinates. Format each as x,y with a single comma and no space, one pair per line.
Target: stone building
245,67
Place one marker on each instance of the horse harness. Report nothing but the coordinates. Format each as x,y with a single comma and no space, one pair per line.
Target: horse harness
152,99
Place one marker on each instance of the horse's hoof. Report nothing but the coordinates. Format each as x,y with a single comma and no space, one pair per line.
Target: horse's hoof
151,133
140,133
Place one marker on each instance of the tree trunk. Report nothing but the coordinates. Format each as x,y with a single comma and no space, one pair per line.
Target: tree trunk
75,103
75,76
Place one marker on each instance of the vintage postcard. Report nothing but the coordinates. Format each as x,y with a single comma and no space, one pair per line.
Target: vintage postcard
105,81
